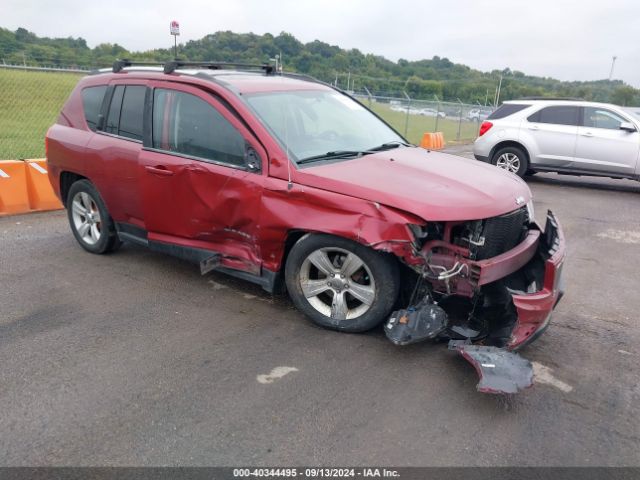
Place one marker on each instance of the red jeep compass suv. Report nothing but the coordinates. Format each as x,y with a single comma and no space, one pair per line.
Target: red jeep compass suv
285,181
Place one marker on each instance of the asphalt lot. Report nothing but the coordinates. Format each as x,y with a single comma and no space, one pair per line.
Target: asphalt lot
135,359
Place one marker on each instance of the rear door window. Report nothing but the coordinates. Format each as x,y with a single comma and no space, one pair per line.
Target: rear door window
113,117
91,103
506,109
126,111
557,115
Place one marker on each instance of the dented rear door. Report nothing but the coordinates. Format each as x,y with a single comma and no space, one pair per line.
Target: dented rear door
197,188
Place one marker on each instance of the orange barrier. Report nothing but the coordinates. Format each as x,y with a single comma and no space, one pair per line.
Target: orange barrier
13,188
432,141
25,187
41,196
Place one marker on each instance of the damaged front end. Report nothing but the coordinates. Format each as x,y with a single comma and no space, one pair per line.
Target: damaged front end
489,287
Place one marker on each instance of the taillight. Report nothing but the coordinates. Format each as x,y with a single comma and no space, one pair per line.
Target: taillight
484,128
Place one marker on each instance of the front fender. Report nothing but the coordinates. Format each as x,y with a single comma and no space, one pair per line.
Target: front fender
309,209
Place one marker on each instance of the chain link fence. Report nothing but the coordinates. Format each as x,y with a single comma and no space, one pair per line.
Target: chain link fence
459,122
31,99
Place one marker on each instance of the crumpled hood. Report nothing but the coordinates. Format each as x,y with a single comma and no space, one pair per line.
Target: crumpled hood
432,185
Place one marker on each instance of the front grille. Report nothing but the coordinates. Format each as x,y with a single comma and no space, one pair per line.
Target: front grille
503,233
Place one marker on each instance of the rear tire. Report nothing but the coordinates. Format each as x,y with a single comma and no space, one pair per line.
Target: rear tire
512,159
340,284
89,219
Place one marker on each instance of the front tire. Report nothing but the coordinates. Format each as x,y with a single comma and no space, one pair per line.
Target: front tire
512,159
89,219
340,284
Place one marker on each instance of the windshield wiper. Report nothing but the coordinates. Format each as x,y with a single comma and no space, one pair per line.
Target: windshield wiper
332,155
388,146
353,153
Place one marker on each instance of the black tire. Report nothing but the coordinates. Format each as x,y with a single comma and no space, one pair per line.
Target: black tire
107,240
379,275
509,152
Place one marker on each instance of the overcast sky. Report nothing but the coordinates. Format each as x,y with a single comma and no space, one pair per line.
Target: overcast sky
569,40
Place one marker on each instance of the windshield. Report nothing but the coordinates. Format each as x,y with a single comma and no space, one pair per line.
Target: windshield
635,111
320,123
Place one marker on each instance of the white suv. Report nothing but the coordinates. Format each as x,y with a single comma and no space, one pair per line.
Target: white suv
575,137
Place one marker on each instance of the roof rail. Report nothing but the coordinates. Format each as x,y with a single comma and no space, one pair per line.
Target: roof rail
308,78
173,65
567,99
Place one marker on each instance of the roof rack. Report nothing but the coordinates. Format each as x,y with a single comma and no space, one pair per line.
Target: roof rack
118,65
172,65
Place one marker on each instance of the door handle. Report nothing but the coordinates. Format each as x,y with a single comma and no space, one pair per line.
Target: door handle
159,170
587,134
534,127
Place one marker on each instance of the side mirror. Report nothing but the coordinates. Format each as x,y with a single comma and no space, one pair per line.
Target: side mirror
252,160
628,127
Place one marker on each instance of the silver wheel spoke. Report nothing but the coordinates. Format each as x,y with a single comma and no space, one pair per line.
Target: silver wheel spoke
365,293
84,229
351,265
86,201
78,208
320,259
339,307
313,288
95,233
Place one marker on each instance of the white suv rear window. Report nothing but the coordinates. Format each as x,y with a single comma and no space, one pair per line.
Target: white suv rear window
505,110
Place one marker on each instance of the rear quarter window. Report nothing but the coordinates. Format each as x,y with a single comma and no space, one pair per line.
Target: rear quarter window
91,103
556,115
505,110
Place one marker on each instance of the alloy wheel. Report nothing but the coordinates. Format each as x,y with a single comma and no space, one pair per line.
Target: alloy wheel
86,218
337,283
509,161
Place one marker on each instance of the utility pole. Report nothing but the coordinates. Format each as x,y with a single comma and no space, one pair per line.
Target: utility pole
498,92
613,63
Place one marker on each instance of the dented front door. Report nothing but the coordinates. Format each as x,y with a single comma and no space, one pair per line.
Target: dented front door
198,191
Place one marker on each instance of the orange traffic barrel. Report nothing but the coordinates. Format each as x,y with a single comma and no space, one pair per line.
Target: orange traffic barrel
432,141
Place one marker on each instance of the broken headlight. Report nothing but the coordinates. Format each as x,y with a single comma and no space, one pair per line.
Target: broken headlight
530,211
419,231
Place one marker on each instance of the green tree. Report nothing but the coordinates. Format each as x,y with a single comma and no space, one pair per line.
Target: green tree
624,95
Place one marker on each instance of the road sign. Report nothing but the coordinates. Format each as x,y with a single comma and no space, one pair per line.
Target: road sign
174,26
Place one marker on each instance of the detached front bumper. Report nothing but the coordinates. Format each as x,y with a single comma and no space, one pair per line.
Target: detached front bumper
534,310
